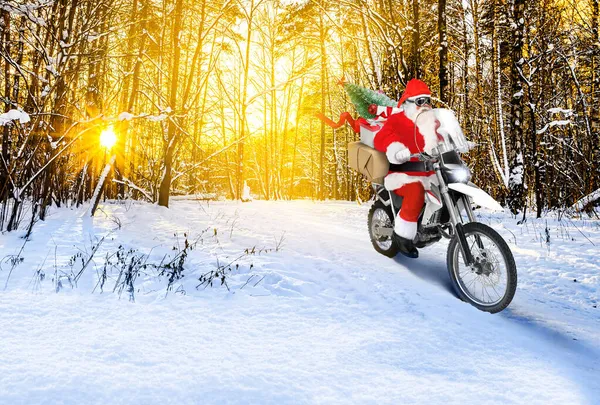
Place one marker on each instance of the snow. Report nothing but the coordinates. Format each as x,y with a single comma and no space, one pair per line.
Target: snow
125,116
51,68
14,115
246,197
27,10
101,182
45,91
559,110
590,198
314,315
157,118
64,44
557,123
516,174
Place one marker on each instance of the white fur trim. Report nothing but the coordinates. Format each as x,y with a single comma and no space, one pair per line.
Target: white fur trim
417,96
405,229
396,180
391,151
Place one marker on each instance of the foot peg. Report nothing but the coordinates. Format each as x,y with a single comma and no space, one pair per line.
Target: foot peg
427,236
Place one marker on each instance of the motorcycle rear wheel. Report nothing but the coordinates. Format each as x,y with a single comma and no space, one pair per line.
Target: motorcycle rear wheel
381,216
491,283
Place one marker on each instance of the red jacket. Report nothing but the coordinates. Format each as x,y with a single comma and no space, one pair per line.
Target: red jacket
399,132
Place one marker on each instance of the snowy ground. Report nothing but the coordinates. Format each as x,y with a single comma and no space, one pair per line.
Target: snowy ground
312,314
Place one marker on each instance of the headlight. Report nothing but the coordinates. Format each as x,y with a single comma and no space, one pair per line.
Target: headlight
459,175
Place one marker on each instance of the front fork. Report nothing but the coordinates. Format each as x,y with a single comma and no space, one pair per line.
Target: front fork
455,218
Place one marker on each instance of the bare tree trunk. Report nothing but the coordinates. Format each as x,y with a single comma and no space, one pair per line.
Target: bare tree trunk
266,134
19,61
135,84
500,162
314,184
58,120
465,75
322,36
443,50
283,161
283,158
223,134
199,126
123,127
416,39
101,184
6,129
334,144
346,168
594,155
273,120
172,131
365,27
539,196
516,180
243,106
480,111
298,112
32,102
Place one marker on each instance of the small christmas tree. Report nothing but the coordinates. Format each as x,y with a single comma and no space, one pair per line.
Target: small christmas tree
362,98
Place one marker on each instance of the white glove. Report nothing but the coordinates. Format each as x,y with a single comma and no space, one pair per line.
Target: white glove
403,156
397,153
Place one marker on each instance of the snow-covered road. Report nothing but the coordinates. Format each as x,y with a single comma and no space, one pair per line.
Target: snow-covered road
315,315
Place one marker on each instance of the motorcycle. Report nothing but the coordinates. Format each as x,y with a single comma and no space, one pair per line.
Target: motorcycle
480,264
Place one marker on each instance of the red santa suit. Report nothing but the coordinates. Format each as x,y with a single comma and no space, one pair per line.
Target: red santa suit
399,139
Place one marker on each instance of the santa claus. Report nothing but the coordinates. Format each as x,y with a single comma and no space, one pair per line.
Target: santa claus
409,132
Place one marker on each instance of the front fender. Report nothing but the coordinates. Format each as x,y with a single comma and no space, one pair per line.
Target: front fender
479,196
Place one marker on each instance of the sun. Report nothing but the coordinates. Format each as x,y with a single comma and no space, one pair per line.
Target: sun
108,138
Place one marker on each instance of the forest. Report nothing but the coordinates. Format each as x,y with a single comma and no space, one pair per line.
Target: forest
202,97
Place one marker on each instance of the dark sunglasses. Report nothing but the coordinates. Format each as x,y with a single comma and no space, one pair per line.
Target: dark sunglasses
421,101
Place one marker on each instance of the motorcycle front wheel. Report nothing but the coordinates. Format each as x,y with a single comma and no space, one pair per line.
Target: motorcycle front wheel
490,283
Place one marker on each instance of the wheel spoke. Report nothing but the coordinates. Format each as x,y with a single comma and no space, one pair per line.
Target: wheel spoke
497,293
472,281
473,244
381,220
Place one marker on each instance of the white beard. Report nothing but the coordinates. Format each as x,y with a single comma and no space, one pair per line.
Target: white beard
411,111
426,121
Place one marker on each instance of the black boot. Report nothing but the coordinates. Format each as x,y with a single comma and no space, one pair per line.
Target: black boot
406,247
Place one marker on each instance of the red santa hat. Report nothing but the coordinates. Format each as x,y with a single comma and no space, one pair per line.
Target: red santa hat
414,87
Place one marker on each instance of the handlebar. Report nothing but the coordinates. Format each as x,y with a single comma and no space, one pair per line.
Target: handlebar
423,157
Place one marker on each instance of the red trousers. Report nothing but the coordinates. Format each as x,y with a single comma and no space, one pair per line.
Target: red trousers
413,195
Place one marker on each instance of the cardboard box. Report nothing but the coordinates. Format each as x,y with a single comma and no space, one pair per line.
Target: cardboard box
368,161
